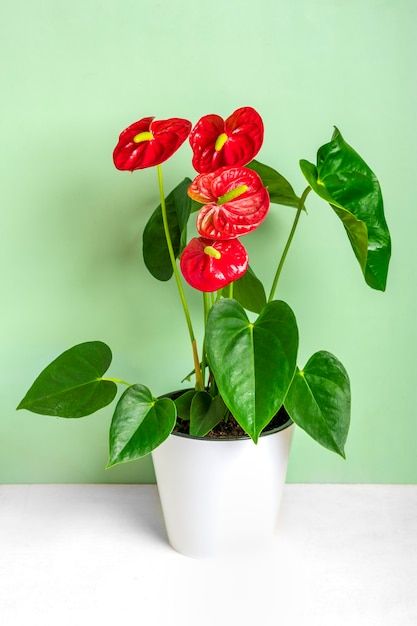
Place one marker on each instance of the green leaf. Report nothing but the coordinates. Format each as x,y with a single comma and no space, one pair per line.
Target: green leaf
279,189
155,249
195,206
319,401
183,403
249,292
140,424
206,413
343,179
253,363
71,385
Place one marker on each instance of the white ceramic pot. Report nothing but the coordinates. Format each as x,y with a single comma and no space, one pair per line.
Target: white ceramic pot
221,496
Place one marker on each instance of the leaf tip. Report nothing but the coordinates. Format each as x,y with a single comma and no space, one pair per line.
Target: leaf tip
336,133
23,404
341,452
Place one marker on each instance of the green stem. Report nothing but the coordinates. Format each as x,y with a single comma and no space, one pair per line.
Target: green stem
117,380
207,306
198,375
288,244
206,300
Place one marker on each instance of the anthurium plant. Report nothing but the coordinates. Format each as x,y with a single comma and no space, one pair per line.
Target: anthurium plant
245,366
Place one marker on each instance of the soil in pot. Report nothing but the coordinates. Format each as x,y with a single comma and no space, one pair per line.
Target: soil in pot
230,428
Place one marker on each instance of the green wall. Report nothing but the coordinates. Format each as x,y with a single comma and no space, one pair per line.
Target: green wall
73,75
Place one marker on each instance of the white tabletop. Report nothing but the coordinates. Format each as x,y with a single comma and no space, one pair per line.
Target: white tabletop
344,555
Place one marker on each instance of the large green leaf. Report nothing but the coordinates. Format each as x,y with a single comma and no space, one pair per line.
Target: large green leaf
140,424
343,179
249,291
319,401
155,249
279,189
253,363
71,385
206,412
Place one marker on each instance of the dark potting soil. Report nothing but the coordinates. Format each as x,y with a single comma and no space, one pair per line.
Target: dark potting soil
230,428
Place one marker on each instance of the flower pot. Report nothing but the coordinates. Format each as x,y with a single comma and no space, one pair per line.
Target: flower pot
221,496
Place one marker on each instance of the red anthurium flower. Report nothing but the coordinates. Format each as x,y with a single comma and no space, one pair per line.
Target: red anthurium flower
235,202
209,265
234,141
147,142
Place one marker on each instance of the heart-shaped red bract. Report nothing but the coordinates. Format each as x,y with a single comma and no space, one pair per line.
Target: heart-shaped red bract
149,142
225,215
209,265
232,142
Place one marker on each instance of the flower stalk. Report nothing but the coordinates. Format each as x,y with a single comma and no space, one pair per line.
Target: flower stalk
288,244
198,375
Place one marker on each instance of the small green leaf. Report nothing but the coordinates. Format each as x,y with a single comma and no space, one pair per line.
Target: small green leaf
155,249
183,404
140,424
319,401
343,179
253,363
71,385
249,291
279,189
206,413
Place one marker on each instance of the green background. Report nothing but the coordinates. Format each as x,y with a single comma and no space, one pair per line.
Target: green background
73,75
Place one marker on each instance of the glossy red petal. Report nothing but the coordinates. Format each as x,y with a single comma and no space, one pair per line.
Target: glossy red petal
244,130
205,272
200,189
167,137
238,216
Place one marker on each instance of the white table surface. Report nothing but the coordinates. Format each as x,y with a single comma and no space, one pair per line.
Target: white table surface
344,555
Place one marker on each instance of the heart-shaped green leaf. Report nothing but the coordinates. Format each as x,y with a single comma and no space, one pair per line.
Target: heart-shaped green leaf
71,385
319,401
343,179
253,363
155,249
206,413
279,189
249,292
140,424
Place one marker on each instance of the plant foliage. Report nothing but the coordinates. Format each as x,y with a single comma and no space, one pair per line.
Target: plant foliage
247,366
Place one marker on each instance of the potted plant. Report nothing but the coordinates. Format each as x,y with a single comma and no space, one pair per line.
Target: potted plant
247,391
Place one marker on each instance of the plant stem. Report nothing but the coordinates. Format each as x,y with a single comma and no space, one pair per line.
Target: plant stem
198,375
206,300
288,244
117,380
